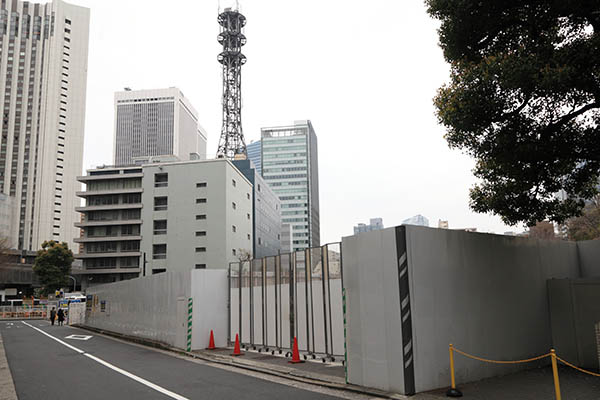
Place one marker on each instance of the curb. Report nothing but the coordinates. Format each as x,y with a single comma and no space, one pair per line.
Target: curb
230,361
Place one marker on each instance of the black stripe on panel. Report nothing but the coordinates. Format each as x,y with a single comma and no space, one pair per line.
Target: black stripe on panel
407,342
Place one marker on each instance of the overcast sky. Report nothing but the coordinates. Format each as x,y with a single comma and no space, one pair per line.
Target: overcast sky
364,72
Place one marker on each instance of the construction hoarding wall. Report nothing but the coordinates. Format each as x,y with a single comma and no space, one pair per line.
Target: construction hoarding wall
157,307
277,298
209,295
484,293
373,320
574,312
589,258
144,307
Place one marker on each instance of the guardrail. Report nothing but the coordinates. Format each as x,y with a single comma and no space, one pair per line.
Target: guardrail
454,392
20,312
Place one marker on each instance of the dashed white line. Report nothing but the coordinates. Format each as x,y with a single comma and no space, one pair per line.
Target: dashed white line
113,367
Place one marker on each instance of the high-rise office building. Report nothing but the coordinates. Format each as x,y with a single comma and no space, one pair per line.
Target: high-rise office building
418,220
375,224
156,122
254,150
290,167
43,63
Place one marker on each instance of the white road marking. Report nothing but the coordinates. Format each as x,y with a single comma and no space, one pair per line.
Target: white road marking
78,337
113,367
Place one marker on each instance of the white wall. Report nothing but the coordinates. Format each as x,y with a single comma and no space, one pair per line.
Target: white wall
589,258
143,307
484,293
209,293
373,326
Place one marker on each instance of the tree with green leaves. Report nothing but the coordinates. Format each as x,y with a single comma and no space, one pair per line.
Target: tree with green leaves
524,101
52,265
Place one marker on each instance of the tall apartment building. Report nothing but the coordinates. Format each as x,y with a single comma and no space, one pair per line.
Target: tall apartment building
43,63
164,216
111,225
254,151
290,167
156,122
266,212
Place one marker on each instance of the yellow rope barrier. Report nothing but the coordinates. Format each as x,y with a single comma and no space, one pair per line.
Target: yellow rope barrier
500,362
577,368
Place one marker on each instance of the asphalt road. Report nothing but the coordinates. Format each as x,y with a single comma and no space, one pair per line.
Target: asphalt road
56,368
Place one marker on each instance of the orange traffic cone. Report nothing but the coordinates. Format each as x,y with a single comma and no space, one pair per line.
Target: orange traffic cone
295,353
211,342
236,349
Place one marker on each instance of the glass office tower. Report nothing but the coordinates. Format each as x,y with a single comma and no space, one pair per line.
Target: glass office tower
290,167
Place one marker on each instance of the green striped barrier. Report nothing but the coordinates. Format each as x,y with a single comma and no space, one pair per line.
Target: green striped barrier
189,325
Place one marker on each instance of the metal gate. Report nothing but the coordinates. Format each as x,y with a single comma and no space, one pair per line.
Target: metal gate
299,294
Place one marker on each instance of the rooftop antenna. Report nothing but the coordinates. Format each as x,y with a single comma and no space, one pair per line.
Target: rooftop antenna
231,143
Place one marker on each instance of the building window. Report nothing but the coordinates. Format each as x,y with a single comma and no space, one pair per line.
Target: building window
160,227
248,196
233,205
161,180
248,216
158,271
248,236
159,251
126,230
201,233
259,241
200,266
233,228
200,201
201,216
233,252
160,203
200,249
201,184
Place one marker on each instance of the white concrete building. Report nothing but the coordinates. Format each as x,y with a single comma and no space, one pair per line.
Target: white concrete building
43,62
196,215
156,122
165,216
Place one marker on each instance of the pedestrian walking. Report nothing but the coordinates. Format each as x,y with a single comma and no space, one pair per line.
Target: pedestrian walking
52,315
61,316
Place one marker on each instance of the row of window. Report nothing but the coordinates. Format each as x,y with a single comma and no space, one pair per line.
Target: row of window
159,251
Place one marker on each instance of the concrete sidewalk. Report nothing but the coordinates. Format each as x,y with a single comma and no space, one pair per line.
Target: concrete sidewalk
535,384
331,375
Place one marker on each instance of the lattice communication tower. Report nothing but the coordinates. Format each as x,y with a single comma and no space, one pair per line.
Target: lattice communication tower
231,143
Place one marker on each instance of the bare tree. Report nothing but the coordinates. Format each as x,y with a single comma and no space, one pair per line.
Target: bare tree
5,255
543,230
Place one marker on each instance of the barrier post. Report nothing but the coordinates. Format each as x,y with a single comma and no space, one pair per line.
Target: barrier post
453,391
555,374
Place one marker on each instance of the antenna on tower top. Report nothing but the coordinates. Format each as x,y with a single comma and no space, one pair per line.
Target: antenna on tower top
231,143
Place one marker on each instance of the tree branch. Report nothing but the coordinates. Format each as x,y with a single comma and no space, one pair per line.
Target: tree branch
566,118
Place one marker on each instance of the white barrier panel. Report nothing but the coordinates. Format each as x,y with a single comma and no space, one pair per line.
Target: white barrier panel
76,314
